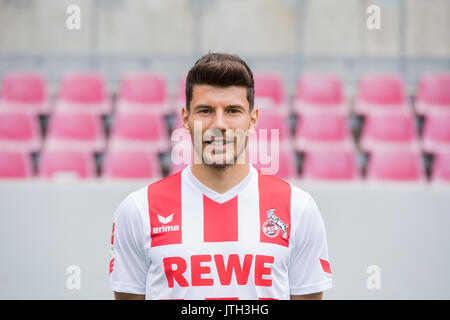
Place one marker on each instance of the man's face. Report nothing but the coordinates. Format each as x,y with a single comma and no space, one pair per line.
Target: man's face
219,120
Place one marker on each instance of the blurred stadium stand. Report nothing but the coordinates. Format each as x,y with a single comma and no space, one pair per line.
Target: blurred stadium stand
364,120
365,93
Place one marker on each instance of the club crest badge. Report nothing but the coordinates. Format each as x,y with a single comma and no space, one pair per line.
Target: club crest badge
273,226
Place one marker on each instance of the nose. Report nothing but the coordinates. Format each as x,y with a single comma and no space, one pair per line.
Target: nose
219,121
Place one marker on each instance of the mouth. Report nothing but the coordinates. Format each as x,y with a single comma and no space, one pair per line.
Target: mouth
219,142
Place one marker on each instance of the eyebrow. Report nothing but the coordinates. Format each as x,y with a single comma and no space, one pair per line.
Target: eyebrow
199,106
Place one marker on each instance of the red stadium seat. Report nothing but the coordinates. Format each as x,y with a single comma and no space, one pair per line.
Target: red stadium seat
24,92
76,131
131,165
15,164
381,92
395,166
84,92
332,165
433,93
20,132
283,166
139,131
319,91
66,164
322,131
436,133
143,92
389,131
269,91
441,167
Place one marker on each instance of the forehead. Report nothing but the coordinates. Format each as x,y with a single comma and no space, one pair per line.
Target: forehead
203,94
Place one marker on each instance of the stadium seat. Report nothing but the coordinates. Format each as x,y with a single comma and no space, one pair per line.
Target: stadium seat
395,166
269,91
433,93
322,131
139,131
15,164
383,131
76,131
441,167
332,165
284,166
131,165
181,153
83,92
24,91
66,164
143,92
381,92
319,92
20,132
436,133
274,121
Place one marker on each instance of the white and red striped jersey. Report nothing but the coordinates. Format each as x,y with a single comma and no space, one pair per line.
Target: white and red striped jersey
178,239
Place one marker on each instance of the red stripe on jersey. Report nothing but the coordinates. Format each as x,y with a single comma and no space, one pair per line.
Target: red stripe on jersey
112,235
220,220
111,265
325,266
164,203
274,210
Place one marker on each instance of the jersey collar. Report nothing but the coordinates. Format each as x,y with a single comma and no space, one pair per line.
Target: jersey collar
213,195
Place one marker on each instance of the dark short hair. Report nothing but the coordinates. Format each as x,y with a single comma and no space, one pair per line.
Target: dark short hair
221,70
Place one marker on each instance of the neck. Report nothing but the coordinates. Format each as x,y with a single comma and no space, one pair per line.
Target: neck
220,180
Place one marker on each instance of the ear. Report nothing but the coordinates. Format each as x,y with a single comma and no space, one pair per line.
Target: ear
253,120
185,119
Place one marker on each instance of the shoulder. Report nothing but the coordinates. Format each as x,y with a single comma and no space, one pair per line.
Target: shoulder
274,186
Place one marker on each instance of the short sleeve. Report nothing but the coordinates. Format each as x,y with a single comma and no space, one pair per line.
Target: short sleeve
309,266
128,266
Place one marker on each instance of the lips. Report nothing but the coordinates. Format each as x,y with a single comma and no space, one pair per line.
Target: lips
218,142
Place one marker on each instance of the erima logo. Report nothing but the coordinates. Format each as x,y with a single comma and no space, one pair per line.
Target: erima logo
164,221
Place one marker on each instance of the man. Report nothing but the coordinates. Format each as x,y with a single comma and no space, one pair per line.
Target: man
219,229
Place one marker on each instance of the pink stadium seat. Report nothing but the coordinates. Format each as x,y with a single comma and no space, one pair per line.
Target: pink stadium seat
84,92
19,132
436,133
319,131
381,92
131,165
15,164
283,166
395,166
441,167
271,121
24,92
66,163
384,130
330,165
143,131
319,91
78,131
433,93
143,92
181,153
269,90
